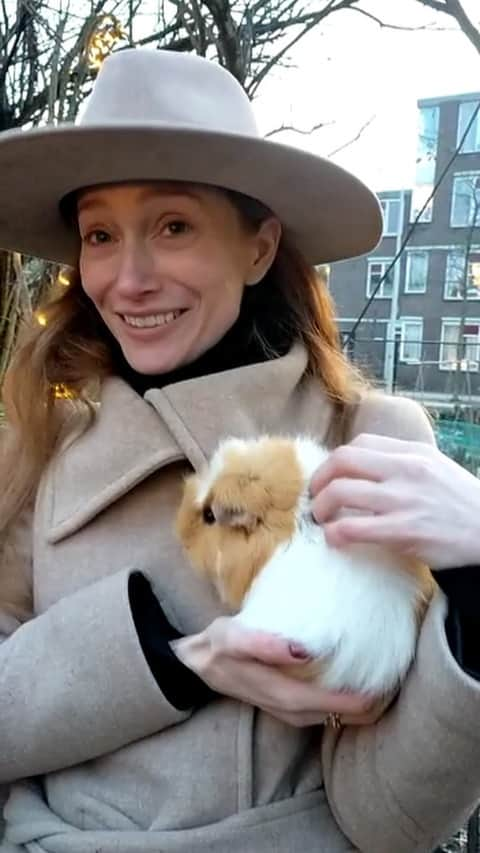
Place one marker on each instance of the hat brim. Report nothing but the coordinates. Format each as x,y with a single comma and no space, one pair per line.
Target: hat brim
329,213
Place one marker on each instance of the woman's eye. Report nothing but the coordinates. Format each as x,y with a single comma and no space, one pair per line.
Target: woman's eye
96,237
176,227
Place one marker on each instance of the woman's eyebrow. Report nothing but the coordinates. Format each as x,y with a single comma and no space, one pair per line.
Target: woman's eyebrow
167,194
86,203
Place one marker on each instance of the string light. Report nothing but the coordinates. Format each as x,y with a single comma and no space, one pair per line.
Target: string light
63,279
41,319
107,33
62,392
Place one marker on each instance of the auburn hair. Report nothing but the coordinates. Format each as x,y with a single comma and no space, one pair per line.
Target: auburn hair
54,378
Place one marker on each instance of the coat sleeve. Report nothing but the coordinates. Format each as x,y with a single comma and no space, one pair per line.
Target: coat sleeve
408,782
74,682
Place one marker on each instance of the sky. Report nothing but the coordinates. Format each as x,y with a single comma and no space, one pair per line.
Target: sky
351,70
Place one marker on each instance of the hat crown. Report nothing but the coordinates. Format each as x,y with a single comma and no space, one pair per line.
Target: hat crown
157,115
154,87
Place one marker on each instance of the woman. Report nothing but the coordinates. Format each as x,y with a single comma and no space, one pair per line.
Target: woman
134,717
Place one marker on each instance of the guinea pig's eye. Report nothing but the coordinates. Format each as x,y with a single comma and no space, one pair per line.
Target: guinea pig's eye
208,515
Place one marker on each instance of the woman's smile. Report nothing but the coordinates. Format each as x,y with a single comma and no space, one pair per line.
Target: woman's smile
153,320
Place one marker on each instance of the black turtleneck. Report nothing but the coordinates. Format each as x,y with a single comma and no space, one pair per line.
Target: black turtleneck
263,330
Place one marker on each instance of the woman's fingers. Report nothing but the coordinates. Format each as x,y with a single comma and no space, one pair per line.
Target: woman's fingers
387,444
371,457
230,638
343,493
266,687
301,719
370,716
228,657
262,683
394,530
352,462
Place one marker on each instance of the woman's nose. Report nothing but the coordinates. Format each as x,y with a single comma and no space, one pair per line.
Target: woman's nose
135,271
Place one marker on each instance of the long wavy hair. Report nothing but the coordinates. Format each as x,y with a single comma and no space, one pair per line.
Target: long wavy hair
55,375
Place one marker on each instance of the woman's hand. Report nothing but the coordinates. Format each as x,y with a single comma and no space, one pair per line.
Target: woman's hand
246,665
410,496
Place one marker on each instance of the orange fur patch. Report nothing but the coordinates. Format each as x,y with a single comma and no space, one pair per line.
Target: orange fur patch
254,499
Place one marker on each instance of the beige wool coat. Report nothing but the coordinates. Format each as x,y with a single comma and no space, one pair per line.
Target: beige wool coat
95,757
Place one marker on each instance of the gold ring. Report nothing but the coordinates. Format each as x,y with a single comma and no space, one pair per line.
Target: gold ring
333,721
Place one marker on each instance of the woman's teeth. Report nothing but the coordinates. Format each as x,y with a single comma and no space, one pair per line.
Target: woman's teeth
151,320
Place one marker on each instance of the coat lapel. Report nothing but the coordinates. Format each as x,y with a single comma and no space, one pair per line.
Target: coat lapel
132,437
126,443
242,403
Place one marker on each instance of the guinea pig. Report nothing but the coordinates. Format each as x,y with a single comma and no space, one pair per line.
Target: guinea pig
245,524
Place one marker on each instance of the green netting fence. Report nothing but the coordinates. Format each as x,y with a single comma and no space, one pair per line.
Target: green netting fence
461,441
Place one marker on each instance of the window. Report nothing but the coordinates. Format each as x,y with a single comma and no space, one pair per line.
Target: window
466,200
460,351
472,139
391,216
420,194
376,271
455,273
411,340
417,272
427,143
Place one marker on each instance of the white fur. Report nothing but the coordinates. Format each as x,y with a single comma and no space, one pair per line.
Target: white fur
208,477
354,607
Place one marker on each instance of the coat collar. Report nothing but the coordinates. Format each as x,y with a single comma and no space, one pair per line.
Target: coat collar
240,402
132,437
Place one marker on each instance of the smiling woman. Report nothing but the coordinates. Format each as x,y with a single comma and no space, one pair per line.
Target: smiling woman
135,711
166,266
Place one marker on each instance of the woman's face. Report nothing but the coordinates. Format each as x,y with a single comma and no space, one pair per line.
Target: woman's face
166,264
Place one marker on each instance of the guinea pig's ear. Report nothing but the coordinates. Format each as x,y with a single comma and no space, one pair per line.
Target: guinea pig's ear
232,517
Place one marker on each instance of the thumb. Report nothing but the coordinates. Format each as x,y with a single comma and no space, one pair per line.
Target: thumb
267,648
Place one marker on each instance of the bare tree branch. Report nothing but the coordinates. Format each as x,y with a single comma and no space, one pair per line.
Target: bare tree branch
354,139
309,21
384,25
438,5
291,127
455,10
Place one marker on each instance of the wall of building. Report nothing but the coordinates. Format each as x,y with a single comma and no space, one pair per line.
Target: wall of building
348,279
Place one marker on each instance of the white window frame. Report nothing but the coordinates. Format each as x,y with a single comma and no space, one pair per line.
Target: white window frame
458,176
385,263
461,129
403,323
408,270
461,256
386,215
474,364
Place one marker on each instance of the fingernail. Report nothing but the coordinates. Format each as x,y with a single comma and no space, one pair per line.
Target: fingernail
298,651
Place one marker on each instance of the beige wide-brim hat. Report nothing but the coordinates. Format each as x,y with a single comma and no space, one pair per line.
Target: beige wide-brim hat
161,115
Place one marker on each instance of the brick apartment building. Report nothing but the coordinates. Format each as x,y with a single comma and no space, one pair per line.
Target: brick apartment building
422,331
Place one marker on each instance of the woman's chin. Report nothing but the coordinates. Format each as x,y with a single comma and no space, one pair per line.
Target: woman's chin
151,366
155,360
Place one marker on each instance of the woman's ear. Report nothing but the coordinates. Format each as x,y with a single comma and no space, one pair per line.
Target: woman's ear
266,242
